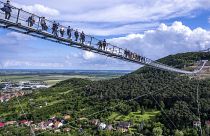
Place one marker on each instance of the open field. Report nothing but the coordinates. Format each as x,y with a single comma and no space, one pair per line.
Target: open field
53,77
135,116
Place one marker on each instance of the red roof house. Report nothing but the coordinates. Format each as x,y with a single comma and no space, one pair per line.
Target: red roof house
2,124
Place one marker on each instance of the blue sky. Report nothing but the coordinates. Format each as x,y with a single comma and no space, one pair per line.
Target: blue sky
154,28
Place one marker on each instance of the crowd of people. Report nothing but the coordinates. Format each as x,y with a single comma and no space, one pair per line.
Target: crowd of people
131,55
57,30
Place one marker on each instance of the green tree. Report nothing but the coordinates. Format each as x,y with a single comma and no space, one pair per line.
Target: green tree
190,132
157,131
178,133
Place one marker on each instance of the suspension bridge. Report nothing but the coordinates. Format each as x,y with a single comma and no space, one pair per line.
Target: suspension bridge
18,23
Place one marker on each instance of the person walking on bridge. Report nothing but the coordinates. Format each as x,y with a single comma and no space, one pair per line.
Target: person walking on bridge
43,24
62,31
7,9
69,30
104,44
126,53
100,44
31,21
55,29
76,34
82,37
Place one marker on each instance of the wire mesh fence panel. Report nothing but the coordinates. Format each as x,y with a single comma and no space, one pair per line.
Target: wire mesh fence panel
27,19
88,40
74,37
62,30
116,51
2,15
48,26
1,12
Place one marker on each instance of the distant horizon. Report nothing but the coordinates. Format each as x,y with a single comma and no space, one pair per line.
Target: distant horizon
67,69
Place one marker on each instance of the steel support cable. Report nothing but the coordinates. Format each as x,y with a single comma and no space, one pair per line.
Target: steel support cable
163,110
31,129
185,105
198,104
197,88
180,100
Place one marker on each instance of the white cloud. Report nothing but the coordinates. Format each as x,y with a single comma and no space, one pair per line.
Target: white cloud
122,29
17,64
166,40
38,9
135,15
88,55
132,11
18,36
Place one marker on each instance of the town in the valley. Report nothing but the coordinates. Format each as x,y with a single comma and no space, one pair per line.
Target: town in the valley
11,89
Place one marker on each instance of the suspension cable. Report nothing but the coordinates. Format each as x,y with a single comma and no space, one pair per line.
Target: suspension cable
29,123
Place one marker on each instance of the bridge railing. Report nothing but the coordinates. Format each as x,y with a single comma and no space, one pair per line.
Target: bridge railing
20,16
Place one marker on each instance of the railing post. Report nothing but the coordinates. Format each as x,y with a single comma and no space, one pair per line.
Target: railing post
91,39
38,24
18,15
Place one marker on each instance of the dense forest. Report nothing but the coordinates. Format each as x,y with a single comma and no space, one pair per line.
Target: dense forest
146,89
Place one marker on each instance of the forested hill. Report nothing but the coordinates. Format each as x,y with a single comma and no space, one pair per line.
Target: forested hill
170,90
182,60
148,79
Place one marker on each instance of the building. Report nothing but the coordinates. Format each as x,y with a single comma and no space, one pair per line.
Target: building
2,124
57,131
109,127
66,129
196,123
11,123
67,117
207,123
25,122
58,124
95,122
124,125
102,126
